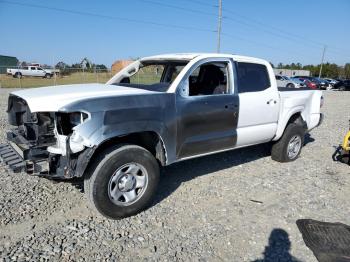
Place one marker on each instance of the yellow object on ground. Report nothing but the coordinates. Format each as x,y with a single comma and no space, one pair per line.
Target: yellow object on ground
346,142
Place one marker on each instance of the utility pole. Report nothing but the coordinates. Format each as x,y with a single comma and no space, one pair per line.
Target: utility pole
324,51
219,26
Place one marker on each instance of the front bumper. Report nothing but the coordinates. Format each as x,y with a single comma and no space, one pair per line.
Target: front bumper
16,158
20,156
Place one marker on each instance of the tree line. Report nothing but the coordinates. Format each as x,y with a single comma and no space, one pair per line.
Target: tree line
85,65
329,70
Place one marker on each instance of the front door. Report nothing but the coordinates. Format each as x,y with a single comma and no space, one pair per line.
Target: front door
208,110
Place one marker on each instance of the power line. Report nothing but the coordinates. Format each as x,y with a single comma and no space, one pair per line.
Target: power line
261,26
76,12
279,30
283,32
177,7
200,3
276,34
236,37
261,29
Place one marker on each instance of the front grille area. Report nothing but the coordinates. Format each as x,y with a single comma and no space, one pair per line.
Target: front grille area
36,128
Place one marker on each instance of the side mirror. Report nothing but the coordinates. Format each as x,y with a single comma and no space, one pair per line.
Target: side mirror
125,80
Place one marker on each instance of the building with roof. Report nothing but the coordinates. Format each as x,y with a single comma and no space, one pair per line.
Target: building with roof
7,61
291,72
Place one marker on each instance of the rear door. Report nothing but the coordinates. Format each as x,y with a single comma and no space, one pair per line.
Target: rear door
207,109
258,104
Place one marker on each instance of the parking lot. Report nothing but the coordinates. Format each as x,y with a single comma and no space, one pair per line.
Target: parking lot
233,206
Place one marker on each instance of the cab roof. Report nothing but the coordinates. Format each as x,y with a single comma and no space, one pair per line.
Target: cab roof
191,56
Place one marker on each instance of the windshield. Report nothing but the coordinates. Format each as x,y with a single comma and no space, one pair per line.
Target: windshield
153,76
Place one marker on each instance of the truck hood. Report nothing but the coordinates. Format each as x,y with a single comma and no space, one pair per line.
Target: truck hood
53,98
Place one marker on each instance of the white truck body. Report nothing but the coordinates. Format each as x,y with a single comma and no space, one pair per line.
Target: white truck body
156,111
35,71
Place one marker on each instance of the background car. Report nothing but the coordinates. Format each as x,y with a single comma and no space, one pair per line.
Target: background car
310,79
324,84
307,82
285,81
298,82
320,83
343,85
331,81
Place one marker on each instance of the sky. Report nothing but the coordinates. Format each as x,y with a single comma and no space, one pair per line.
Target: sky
105,31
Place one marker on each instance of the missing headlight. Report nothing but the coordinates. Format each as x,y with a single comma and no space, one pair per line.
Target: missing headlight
66,121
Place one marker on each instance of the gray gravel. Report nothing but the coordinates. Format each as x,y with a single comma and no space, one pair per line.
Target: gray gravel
220,207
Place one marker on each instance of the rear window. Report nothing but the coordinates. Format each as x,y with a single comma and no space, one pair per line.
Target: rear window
252,77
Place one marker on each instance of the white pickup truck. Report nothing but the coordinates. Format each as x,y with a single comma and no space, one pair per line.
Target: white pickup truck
157,111
30,71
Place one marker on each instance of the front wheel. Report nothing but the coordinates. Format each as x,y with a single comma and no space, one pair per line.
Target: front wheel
48,76
289,146
290,85
123,181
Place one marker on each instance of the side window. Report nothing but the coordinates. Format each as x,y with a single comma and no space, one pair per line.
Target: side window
278,78
32,68
252,77
209,79
172,72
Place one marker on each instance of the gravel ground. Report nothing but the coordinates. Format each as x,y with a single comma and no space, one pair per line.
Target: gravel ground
235,206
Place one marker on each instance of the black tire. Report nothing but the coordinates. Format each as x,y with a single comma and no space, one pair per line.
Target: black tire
279,150
97,180
48,76
290,85
342,88
18,75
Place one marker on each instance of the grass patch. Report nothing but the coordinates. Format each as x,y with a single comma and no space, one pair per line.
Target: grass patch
7,81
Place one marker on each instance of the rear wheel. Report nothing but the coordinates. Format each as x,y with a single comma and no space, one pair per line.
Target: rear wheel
123,181
18,75
290,85
342,88
289,146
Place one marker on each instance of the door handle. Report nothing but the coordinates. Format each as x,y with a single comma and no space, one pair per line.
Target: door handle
231,106
271,101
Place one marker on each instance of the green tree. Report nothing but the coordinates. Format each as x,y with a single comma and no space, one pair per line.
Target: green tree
100,67
347,70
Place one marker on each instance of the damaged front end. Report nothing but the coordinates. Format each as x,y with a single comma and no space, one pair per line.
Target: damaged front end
45,143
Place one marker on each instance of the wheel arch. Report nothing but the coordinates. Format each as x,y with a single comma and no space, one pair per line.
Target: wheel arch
149,140
294,116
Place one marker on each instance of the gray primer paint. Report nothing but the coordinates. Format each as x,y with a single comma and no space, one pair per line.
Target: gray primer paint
187,125
121,115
